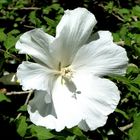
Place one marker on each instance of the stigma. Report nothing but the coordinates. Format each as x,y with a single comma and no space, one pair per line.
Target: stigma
65,72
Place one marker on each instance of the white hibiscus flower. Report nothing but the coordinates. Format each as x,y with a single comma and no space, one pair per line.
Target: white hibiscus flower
68,74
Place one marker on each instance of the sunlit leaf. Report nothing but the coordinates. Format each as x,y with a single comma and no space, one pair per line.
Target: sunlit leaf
23,108
21,126
2,35
134,133
71,138
41,133
4,98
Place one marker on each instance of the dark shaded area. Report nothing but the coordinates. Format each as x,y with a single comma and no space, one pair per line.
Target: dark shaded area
8,130
8,111
67,4
71,4
115,134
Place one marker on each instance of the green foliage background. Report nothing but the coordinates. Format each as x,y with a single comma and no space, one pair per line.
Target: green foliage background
121,17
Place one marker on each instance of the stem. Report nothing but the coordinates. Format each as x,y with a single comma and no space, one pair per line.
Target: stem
1,50
26,102
128,126
121,43
18,93
24,8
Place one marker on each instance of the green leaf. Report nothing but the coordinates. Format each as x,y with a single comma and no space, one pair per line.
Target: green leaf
109,7
122,113
10,42
136,24
137,80
123,32
136,10
127,82
134,133
2,35
41,133
23,108
134,89
3,1
137,39
9,79
124,11
14,32
116,37
55,6
71,138
33,18
132,68
49,21
122,79
21,126
4,98
77,131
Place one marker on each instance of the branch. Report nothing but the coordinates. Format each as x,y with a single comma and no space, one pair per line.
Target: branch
16,58
118,17
28,97
27,26
113,13
128,126
18,92
24,8
121,43
26,102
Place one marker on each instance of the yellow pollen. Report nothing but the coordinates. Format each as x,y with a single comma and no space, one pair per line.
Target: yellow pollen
65,72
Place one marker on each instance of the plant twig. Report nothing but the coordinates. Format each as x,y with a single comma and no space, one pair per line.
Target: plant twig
18,92
26,101
27,26
28,97
113,13
24,8
1,50
118,17
128,126
121,43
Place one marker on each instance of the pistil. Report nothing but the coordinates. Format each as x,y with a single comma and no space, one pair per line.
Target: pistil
65,72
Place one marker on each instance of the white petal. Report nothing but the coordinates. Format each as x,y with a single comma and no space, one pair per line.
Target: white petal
101,57
89,109
36,43
66,106
42,102
63,110
50,122
35,76
72,32
43,113
98,98
83,125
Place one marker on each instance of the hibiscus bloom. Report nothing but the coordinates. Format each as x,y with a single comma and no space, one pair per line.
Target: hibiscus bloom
70,89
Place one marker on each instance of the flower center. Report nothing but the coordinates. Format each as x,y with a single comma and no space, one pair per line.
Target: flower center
65,72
